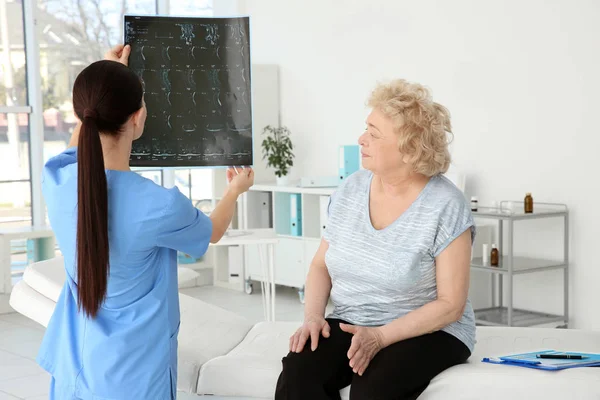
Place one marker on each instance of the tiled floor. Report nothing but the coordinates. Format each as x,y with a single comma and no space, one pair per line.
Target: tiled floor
22,378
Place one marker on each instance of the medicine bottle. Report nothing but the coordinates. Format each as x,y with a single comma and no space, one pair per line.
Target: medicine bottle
494,256
528,203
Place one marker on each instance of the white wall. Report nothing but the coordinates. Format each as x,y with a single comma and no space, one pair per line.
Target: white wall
520,79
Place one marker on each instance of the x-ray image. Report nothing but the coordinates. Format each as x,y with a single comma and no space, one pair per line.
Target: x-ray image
196,77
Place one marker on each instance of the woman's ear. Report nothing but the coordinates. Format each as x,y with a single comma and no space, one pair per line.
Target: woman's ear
138,117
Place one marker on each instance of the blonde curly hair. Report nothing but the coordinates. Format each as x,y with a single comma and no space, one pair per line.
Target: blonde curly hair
420,123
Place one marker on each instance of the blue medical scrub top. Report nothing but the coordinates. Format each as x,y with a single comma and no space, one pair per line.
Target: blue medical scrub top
129,351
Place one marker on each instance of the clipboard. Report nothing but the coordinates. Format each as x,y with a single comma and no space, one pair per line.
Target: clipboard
530,360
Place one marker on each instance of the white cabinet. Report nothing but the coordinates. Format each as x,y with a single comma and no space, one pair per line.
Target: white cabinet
292,261
289,262
296,247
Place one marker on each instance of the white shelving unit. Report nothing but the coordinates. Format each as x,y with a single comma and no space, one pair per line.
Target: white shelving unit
268,206
502,312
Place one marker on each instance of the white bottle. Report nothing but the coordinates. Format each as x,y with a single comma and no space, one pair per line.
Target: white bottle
485,254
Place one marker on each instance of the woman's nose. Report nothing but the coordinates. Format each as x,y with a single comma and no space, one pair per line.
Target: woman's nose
361,140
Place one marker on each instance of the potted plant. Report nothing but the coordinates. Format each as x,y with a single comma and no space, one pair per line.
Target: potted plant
277,150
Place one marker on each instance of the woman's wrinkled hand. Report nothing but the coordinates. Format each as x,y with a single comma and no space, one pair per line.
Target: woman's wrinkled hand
366,343
313,327
119,53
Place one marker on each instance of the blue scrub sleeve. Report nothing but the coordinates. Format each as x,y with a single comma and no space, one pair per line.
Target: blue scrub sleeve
183,227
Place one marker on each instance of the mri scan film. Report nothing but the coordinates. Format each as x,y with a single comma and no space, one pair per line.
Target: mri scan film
197,89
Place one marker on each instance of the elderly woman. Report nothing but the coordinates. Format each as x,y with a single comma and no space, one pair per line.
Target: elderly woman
395,261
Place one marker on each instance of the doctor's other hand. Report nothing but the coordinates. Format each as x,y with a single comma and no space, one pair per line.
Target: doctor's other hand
240,179
314,325
119,53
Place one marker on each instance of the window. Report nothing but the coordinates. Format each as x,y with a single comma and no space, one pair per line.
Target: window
198,8
73,34
15,185
15,203
13,86
70,34
15,211
66,48
154,175
197,185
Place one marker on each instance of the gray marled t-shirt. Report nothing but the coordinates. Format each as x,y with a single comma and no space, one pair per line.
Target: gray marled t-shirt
380,275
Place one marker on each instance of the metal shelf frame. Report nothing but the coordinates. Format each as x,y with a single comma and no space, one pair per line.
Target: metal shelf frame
510,265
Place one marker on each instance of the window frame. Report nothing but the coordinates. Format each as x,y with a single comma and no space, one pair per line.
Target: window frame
35,118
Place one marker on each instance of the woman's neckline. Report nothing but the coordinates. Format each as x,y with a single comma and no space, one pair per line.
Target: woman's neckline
401,216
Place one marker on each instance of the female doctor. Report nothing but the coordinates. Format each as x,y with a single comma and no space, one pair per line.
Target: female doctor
113,334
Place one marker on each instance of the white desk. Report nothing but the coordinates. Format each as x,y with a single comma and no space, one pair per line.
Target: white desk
44,249
259,237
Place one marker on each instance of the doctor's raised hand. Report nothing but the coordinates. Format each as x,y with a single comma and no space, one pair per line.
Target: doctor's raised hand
240,179
119,53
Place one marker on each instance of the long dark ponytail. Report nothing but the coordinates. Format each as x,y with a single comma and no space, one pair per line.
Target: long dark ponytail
105,94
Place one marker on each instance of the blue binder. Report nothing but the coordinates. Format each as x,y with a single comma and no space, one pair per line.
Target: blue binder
531,360
349,160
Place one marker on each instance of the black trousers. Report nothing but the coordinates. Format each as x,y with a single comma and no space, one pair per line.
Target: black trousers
400,371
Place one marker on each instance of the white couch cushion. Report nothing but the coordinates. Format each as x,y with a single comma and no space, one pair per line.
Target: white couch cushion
470,380
206,332
30,303
252,368
477,380
47,277
497,341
